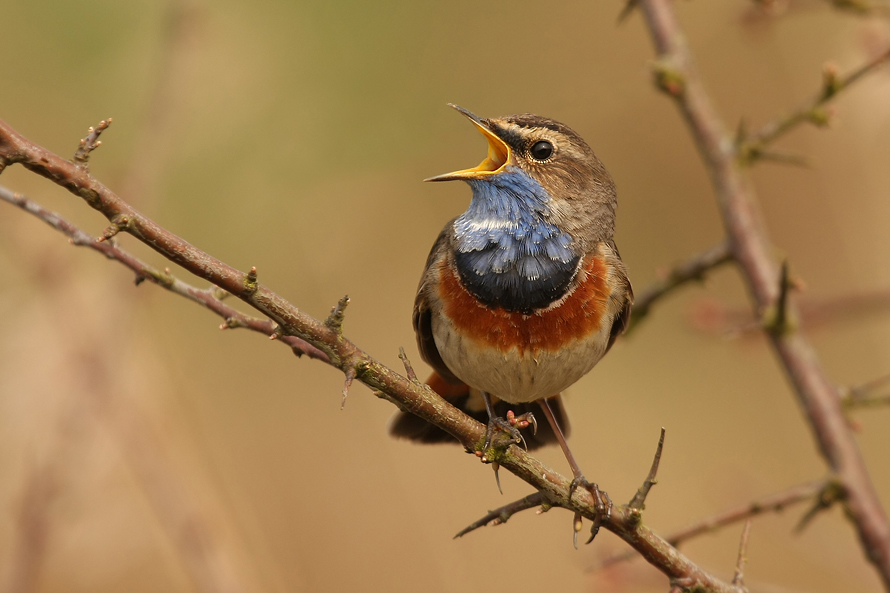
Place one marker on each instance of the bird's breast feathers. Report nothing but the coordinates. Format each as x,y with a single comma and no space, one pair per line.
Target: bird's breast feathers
522,356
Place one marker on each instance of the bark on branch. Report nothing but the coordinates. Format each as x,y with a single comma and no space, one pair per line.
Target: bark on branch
676,74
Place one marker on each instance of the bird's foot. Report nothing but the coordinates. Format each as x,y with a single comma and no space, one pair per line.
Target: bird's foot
508,427
602,504
509,432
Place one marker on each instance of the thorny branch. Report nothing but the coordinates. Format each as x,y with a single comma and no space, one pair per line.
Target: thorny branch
751,147
341,353
676,73
210,298
739,577
812,491
502,514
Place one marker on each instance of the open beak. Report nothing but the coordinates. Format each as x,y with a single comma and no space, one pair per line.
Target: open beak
498,153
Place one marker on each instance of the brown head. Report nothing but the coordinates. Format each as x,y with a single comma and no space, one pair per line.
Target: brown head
582,191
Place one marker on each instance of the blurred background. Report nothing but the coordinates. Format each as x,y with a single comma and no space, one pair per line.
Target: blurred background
141,449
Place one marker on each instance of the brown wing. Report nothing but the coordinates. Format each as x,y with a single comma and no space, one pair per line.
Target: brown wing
623,292
620,323
422,318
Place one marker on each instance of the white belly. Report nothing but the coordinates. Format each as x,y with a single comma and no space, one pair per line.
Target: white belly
518,375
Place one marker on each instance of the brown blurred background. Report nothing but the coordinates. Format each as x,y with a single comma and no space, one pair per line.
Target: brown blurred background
142,450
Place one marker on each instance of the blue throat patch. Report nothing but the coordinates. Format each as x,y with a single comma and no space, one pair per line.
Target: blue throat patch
506,254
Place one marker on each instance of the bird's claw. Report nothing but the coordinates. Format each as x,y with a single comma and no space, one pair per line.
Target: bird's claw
602,504
510,427
496,425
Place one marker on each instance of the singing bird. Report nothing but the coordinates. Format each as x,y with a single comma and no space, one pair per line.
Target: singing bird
524,292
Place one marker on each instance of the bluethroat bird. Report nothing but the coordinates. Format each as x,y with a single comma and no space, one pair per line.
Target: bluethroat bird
524,292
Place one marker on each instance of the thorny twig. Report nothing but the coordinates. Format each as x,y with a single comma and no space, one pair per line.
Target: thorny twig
209,298
502,514
90,143
752,250
739,577
409,370
693,269
639,499
768,504
777,319
350,377
750,148
830,494
338,314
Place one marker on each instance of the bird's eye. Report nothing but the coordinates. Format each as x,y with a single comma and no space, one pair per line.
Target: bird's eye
541,150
